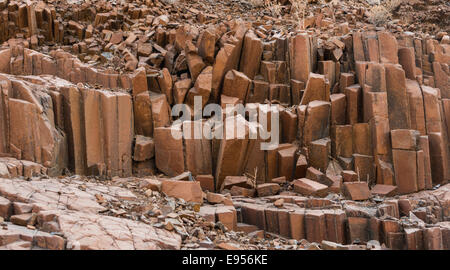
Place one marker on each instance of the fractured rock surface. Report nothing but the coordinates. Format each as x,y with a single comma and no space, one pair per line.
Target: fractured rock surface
89,91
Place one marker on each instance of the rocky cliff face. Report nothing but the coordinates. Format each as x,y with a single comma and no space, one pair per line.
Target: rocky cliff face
364,115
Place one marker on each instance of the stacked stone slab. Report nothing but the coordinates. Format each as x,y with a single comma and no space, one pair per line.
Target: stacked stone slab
60,125
317,220
338,101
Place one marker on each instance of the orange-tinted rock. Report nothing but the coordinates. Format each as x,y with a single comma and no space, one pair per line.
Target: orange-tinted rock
74,128
195,64
160,110
267,189
139,81
358,228
388,47
236,84
143,120
308,187
206,45
197,148
397,99
241,191
405,166
300,57
300,167
297,221
384,190
338,109
404,139
232,149
335,225
5,208
169,150
357,191
346,79
319,151
144,148
117,116
317,121
315,226
375,105
354,101
206,182
364,167
433,238
342,140
407,60
166,84
416,106
289,125
315,89
286,162
318,176
202,87
362,143
254,214
180,90
240,181
227,216
379,129
190,191
251,55
349,176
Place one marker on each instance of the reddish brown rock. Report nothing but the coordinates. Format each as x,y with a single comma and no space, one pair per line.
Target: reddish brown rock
236,84
197,148
357,191
300,57
338,109
251,55
384,190
308,187
317,121
319,151
144,148
189,191
139,81
169,150
315,89
405,167
267,189
206,182
315,226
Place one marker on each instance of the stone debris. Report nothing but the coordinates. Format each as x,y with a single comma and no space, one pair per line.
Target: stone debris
93,157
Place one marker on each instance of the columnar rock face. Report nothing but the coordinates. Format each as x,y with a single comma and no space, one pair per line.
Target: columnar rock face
88,89
300,57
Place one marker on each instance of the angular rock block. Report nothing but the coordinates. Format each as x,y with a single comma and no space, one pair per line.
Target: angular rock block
190,191
405,166
144,148
197,148
316,122
232,148
309,187
169,154
236,84
316,230
300,57
315,89
357,191
319,152
251,55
